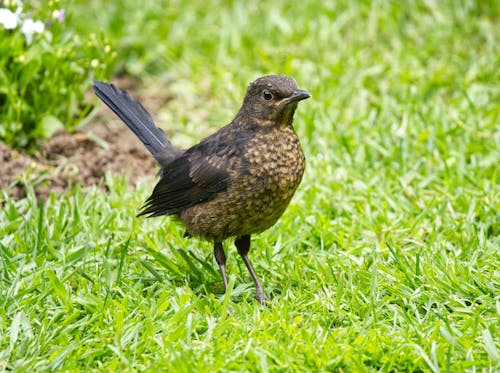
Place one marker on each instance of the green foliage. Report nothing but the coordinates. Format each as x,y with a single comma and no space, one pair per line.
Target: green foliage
44,77
387,259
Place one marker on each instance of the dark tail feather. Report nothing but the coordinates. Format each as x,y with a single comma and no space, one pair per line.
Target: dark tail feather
137,119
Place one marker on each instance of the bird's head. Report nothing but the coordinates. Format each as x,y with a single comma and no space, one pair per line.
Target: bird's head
272,100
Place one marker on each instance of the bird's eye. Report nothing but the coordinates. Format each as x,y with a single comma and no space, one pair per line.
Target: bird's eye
267,95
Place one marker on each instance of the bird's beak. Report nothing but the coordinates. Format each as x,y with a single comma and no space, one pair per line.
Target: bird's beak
298,95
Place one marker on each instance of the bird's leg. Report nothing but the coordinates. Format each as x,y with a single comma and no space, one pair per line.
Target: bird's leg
220,257
243,245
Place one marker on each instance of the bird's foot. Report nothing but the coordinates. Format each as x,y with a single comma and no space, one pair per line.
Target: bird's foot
261,297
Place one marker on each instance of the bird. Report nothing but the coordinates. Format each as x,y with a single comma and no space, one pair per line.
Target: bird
234,183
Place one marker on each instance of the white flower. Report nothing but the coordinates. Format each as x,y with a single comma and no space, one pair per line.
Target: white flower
8,19
30,27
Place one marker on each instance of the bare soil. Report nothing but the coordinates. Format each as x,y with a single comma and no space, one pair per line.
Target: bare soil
85,156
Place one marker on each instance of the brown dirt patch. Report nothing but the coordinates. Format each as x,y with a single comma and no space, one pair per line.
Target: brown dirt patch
85,156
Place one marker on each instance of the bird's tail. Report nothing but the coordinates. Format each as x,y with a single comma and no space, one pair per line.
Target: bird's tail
137,119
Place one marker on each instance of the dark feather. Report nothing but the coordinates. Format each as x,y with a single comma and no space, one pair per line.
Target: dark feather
188,180
197,175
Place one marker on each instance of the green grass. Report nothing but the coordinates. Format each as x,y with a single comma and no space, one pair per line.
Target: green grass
388,257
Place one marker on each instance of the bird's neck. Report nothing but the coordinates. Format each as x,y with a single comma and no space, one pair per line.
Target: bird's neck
251,121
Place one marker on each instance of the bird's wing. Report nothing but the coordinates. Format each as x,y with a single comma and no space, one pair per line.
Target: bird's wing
196,176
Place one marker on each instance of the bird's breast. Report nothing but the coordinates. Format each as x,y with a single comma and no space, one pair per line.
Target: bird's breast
274,162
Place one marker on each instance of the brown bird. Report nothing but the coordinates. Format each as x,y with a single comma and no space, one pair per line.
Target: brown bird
234,183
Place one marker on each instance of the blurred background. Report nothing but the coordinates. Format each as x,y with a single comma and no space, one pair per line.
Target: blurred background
387,258
367,63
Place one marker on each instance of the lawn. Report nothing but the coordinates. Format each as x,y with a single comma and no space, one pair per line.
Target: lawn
387,258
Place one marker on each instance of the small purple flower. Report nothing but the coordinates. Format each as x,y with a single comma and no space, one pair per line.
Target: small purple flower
59,14
62,15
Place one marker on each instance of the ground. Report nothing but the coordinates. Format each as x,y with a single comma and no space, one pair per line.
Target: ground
386,259
84,156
